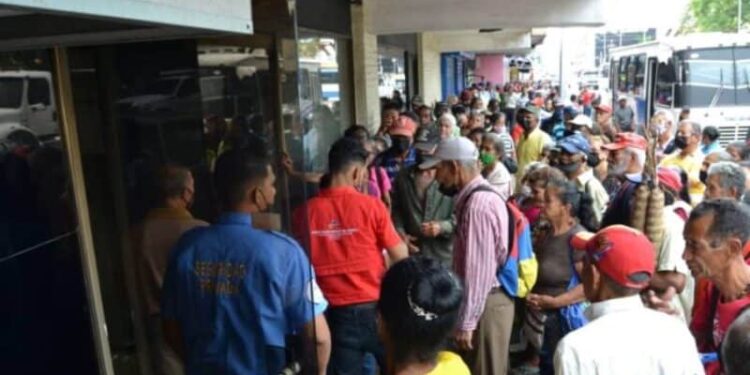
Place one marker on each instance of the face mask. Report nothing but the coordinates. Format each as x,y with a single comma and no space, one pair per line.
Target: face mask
525,123
449,191
680,142
400,144
703,176
486,159
660,128
569,168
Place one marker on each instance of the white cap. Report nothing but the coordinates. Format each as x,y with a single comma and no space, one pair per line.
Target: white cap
455,148
581,120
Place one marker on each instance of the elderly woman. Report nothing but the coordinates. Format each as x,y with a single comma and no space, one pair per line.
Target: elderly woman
447,126
492,151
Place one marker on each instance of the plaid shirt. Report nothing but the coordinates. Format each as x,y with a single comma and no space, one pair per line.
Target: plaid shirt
392,163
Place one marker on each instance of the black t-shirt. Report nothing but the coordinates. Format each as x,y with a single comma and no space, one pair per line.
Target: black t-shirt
555,268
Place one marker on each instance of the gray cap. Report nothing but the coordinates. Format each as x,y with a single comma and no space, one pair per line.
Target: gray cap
456,148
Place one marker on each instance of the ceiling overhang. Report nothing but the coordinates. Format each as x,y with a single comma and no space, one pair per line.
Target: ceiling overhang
416,16
34,23
505,41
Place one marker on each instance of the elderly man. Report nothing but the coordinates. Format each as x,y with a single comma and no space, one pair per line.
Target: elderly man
492,155
627,156
711,158
531,145
154,240
725,180
662,123
715,235
623,336
422,215
688,157
480,249
574,157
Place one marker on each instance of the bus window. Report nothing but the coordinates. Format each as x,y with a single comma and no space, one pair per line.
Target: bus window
709,77
742,64
665,79
638,75
622,75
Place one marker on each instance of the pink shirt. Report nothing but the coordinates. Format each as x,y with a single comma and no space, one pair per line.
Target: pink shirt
480,247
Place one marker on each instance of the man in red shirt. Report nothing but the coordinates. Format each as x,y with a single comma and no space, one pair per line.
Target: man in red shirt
714,238
345,233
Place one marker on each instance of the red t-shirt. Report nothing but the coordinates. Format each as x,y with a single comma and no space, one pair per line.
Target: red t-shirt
587,97
345,233
516,133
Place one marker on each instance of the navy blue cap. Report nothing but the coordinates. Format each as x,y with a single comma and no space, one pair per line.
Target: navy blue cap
570,111
574,144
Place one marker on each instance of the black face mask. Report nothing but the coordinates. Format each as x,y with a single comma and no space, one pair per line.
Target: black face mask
449,191
569,168
525,123
703,176
680,142
400,144
593,160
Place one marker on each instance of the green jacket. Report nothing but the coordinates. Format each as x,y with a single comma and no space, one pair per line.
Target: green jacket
409,213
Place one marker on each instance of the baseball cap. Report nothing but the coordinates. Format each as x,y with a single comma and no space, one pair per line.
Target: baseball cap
404,126
581,120
619,252
531,109
574,144
627,139
570,111
669,178
456,148
604,108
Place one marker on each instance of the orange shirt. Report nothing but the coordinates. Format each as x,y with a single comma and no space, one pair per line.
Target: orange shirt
345,233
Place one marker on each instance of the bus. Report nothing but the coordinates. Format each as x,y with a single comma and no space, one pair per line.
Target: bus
708,73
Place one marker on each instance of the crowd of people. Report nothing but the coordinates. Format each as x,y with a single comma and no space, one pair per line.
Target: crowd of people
609,246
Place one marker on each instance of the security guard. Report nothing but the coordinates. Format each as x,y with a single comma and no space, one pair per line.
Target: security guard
231,293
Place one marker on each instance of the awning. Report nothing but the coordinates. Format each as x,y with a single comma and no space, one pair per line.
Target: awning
34,23
415,16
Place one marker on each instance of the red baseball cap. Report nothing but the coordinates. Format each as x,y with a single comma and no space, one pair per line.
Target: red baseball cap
404,126
604,108
669,178
619,252
627,139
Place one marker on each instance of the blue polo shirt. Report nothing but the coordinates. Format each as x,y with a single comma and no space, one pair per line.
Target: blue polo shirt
236,292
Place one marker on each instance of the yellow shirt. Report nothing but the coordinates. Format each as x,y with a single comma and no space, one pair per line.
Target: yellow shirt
449,363
692,165
530,150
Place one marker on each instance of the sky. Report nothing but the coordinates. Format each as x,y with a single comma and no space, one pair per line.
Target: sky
636,14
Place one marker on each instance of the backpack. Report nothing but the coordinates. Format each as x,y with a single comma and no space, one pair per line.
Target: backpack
519,273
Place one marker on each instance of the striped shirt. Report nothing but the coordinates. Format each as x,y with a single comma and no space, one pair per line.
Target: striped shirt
480,247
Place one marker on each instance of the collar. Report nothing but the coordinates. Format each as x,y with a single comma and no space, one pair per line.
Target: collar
599,309
585,177
634,177
461,196
337,191
169,213
235,218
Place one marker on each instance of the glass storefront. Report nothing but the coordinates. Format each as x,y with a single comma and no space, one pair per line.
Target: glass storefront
45,318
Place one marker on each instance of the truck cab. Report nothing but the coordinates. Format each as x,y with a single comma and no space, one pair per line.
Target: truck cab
28,112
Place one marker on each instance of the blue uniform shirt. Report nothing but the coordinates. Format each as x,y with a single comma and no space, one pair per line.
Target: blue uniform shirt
236,292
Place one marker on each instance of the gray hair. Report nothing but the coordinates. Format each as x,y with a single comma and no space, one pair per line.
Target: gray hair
730,219
497,142
735,348
469,165
667,115
730,175
696,127
448,117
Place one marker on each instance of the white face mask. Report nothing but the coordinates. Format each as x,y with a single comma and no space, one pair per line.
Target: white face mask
660,128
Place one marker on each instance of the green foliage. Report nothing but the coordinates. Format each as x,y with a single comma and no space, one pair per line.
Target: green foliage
714,15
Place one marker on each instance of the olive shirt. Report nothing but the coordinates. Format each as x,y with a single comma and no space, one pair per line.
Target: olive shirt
555,267
409,212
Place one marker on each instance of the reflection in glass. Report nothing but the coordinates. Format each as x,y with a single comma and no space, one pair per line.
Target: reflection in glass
44,319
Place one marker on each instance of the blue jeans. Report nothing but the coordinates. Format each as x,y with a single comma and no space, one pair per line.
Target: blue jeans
354,333
552,336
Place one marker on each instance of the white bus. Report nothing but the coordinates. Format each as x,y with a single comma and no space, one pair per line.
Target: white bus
708,73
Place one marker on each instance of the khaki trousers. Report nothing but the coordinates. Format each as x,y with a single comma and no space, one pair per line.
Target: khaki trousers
491,340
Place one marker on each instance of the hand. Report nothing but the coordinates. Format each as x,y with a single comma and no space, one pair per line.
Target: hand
411,243
287,163
662,302
463,340
541,302
431,229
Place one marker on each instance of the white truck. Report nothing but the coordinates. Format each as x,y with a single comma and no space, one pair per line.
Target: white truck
28,112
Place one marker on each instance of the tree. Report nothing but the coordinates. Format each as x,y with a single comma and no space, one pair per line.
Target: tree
714,15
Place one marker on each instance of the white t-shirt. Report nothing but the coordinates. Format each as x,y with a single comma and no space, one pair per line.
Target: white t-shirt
623,337
669,257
